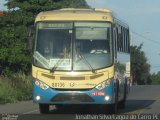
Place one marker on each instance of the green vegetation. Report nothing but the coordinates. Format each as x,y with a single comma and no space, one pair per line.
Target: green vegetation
15,58
140,68
155,78
15,27
16,89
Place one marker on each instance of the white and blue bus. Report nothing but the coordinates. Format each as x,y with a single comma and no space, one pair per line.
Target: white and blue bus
81,56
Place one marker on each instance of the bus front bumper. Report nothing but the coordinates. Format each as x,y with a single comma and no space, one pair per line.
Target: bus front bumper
92,96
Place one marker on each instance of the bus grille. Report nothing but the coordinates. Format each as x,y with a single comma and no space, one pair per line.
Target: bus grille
72,97
72,78
58,89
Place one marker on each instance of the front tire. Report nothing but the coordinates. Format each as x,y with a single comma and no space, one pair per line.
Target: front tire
44,108
113,108
122,103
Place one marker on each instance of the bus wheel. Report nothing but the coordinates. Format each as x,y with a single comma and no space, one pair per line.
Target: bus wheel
44,108
112,108
122,103
59,106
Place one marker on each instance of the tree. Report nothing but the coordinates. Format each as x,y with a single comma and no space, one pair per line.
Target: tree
15,25
140,69
155,78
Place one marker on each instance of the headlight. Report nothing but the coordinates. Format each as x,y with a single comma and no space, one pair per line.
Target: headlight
41,84
38,98
103,84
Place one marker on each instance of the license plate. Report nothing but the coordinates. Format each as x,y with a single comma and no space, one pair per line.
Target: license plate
98,93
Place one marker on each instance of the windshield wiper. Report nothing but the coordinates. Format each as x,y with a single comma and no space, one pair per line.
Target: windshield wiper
90,66
56,65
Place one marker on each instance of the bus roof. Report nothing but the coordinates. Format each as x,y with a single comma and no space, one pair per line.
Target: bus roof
74,14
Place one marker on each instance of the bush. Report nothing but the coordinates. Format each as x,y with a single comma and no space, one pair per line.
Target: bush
16,88
7,93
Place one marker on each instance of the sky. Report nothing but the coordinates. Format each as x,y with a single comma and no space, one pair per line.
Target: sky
143,17
2,7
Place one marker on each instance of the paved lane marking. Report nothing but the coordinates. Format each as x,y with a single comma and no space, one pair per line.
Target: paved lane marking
29,112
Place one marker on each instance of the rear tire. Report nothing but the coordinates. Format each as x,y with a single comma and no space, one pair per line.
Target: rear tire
44,108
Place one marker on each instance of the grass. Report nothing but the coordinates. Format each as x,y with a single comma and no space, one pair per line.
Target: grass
16,88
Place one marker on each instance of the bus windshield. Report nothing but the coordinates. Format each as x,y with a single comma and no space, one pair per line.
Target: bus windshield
73,46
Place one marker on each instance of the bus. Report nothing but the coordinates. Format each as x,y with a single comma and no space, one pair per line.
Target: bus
81,56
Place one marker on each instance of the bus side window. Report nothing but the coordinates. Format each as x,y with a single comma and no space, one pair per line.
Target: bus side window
115,32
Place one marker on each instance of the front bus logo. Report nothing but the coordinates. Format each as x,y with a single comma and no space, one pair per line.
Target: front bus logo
72,84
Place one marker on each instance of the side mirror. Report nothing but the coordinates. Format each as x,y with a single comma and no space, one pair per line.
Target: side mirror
114,25
30,39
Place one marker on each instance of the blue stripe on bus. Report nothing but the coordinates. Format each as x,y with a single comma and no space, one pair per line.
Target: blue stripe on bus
47,95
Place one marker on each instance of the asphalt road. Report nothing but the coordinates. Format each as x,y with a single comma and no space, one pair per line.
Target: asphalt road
144,99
